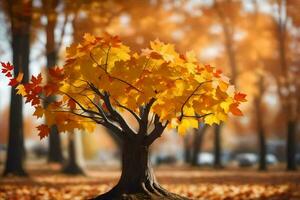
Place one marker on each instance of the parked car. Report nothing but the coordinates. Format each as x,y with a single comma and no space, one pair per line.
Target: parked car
205,158
165,159
246,159
271,159
40,151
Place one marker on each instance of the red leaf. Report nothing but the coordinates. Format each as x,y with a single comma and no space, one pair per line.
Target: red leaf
240,97
44,130
71,104
35,101
13,82
37,90
50,89
36,80
8,74
7,67
217,73
57,73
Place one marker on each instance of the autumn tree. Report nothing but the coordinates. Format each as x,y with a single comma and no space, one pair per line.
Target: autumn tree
19,14
227,13
159,87
286,72
52,47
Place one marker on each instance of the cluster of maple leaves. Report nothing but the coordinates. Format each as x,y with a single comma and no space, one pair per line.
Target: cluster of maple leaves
7,70
184,91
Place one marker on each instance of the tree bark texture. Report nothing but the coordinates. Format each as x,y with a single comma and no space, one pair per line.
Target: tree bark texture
137,179
20,16
217,147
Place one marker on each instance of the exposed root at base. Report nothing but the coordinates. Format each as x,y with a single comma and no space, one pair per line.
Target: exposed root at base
148,192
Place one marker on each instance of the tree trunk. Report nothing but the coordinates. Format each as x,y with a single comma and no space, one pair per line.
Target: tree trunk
137,179
72,167
198,139
20,29
262,150
187,149
291,145
55,149
260,126
217,147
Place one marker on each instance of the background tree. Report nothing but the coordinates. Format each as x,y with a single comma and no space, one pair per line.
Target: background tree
285,76
101,78
52,49
227,13
197,143
19,14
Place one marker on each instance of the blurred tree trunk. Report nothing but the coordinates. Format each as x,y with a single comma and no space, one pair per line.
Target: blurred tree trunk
20,17
217,147
49,6
187,149
260,127
284,84
291,145
228,32
197,144
72,166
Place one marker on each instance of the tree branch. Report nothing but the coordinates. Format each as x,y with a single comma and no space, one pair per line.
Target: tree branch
145,116
189,97
129,110
157,131
117,116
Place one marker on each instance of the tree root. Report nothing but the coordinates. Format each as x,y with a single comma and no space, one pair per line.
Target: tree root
147,191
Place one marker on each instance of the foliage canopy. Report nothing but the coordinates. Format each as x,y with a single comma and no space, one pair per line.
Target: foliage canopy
102,78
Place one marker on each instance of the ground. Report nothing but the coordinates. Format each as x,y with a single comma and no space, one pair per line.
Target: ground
45,182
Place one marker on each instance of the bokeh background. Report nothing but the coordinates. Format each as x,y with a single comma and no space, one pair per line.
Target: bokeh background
255,42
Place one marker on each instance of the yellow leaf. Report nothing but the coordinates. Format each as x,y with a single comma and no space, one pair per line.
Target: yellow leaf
21,90
191,56
211,119
186,124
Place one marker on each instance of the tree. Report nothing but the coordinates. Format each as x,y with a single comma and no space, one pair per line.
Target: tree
19,13
260,126
55,149
158,87
72,166
197,143
228,28
285,75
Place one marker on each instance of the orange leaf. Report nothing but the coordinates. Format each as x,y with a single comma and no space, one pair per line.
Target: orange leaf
155,55
20,77
235,110
44,130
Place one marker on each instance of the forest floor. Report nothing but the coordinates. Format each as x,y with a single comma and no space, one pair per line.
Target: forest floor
46,183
